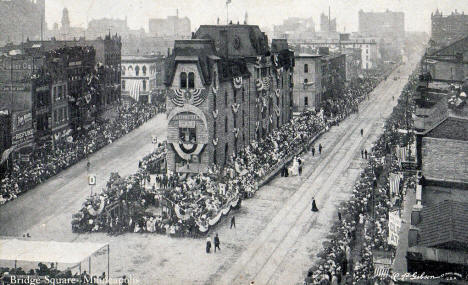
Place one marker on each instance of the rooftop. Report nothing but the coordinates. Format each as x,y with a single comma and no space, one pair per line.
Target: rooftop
445,160
444,225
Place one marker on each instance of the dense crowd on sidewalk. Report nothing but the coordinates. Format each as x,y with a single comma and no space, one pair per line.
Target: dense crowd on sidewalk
46,161
190,206
362,224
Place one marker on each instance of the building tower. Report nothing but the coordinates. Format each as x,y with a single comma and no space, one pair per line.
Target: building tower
65,20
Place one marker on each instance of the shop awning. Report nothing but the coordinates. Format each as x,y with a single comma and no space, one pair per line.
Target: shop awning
47,251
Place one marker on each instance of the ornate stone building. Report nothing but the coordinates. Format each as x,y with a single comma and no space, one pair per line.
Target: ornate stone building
226,88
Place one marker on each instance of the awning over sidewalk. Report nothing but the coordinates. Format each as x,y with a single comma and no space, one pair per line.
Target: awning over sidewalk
47,251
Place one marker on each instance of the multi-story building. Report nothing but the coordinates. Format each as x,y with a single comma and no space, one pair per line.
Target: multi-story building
172,26
369,52
295,28
388,27
327,25
307,78
51,90
16,96
22,19
448,64
226,88
66,30
437,239
333,74
107,57
142,77
446,29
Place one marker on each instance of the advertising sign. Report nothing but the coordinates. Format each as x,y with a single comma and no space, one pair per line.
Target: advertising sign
22,128
394,224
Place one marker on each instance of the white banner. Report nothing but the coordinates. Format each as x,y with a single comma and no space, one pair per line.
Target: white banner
394,224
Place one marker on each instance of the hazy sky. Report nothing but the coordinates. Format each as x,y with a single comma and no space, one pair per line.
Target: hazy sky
265,13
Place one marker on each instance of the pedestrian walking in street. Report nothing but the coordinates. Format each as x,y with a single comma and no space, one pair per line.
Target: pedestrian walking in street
216,243
208,244
313,150
362,153
365,153
362,132
300,169
320,148
339,216
314,205
233,222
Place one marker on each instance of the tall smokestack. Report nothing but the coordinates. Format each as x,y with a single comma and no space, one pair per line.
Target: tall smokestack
329,19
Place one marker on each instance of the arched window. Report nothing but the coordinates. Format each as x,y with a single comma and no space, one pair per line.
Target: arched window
306,81
183,80
123,84
306,68
144,85
130,68
144,69
191,80
123,70
137,70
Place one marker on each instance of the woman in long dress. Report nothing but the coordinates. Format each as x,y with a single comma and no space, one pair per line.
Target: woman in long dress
314,206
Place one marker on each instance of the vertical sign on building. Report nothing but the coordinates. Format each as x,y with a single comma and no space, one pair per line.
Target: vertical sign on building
394,224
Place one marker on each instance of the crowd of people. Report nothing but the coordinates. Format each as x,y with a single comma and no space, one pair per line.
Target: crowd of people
362,224
189,206
47,160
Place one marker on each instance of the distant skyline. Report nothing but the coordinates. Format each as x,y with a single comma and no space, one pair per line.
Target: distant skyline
264,13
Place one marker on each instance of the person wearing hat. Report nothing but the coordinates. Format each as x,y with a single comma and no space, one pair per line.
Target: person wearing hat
216,243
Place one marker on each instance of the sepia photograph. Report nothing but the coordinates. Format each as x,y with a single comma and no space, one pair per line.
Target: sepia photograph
234,142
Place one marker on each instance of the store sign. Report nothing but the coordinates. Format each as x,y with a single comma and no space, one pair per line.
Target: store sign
92,179
186,124
394,224
22,137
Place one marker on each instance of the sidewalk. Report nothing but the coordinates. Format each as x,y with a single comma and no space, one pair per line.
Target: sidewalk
399,262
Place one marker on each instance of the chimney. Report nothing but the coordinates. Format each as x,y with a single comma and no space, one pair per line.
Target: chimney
413,236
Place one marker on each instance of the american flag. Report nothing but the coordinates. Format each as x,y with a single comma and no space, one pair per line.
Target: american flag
394,183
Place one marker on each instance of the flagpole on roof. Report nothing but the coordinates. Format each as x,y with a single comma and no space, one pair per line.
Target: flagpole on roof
227,11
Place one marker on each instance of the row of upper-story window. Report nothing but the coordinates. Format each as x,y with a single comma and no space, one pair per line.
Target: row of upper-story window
137,69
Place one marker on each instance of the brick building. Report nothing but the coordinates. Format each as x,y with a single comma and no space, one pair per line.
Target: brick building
388,27
333,74
437,238
226,88
448,64
449,28
47,92
108,58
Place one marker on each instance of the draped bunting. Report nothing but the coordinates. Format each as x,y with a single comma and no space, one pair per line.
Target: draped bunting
264,101
235,107
275,60
222,212
88,98
278,92
259,85
215,141
185,96
236,132
215,90
257,124
271,119
277,110
266,83
259,60
215,113
237,81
